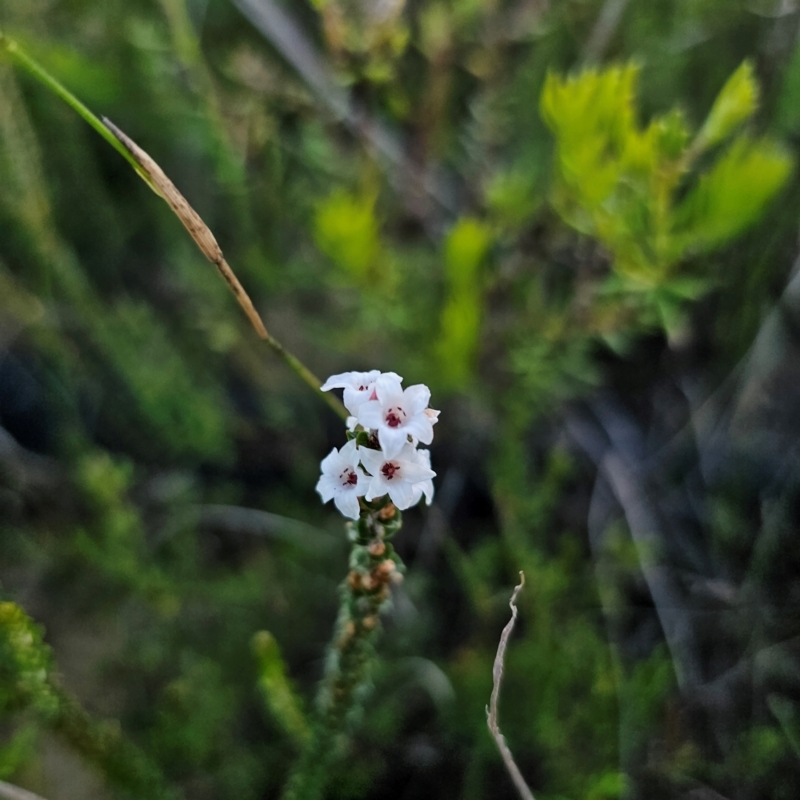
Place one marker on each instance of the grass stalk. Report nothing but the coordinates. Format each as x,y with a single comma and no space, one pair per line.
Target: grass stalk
152,174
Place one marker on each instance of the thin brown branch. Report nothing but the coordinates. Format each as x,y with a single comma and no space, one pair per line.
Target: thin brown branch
193,223
492,716
157,179
11,792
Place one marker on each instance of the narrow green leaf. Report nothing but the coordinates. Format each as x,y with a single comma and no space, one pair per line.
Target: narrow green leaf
736,103
274,684
732,195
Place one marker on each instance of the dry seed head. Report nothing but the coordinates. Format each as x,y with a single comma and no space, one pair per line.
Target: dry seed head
386,568
376,548
370,622
354,581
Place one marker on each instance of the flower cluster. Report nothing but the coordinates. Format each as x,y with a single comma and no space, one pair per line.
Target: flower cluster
387,424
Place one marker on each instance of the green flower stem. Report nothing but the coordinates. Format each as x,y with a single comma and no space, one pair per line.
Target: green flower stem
307,376
19,56
364,593
154,177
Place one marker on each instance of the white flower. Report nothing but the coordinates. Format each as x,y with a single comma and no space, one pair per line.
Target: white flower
342,480
398,476
359,387
397,414
425,487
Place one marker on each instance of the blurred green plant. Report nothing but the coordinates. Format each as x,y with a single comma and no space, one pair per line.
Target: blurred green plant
26,682
635,191
346,230
465,250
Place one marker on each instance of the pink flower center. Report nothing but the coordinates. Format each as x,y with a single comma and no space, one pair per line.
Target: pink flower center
352,479
389,469
394,418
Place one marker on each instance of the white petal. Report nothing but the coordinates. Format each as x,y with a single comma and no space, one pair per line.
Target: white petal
371,459
363,483
389,391
370,414
414,473
417,397
390,375
402,494
341,381
423,457
347,503
420,427
327,488
331,463
349,454
377,487
392,440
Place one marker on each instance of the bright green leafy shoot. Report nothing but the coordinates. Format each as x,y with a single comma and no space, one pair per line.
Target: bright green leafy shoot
346,230
634,188
466,247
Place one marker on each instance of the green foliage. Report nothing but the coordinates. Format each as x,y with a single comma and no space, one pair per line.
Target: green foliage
346,230
731,195
623,184
159,380
735,104
25,664
276,689
465,250
19,749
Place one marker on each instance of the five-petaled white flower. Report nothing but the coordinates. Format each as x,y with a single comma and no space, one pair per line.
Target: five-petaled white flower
398,476
342,480
359,387
397,414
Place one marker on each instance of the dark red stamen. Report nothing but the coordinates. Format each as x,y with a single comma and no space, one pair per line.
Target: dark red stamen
393,418
389,469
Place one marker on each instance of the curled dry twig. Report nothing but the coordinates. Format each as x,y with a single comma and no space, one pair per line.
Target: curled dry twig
492,717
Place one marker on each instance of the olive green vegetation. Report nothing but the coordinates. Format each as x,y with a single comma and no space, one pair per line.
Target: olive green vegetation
570,221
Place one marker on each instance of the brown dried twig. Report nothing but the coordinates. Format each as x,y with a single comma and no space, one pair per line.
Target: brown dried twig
193,223
492,716
157,179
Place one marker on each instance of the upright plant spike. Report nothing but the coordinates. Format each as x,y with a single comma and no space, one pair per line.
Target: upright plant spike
378,473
